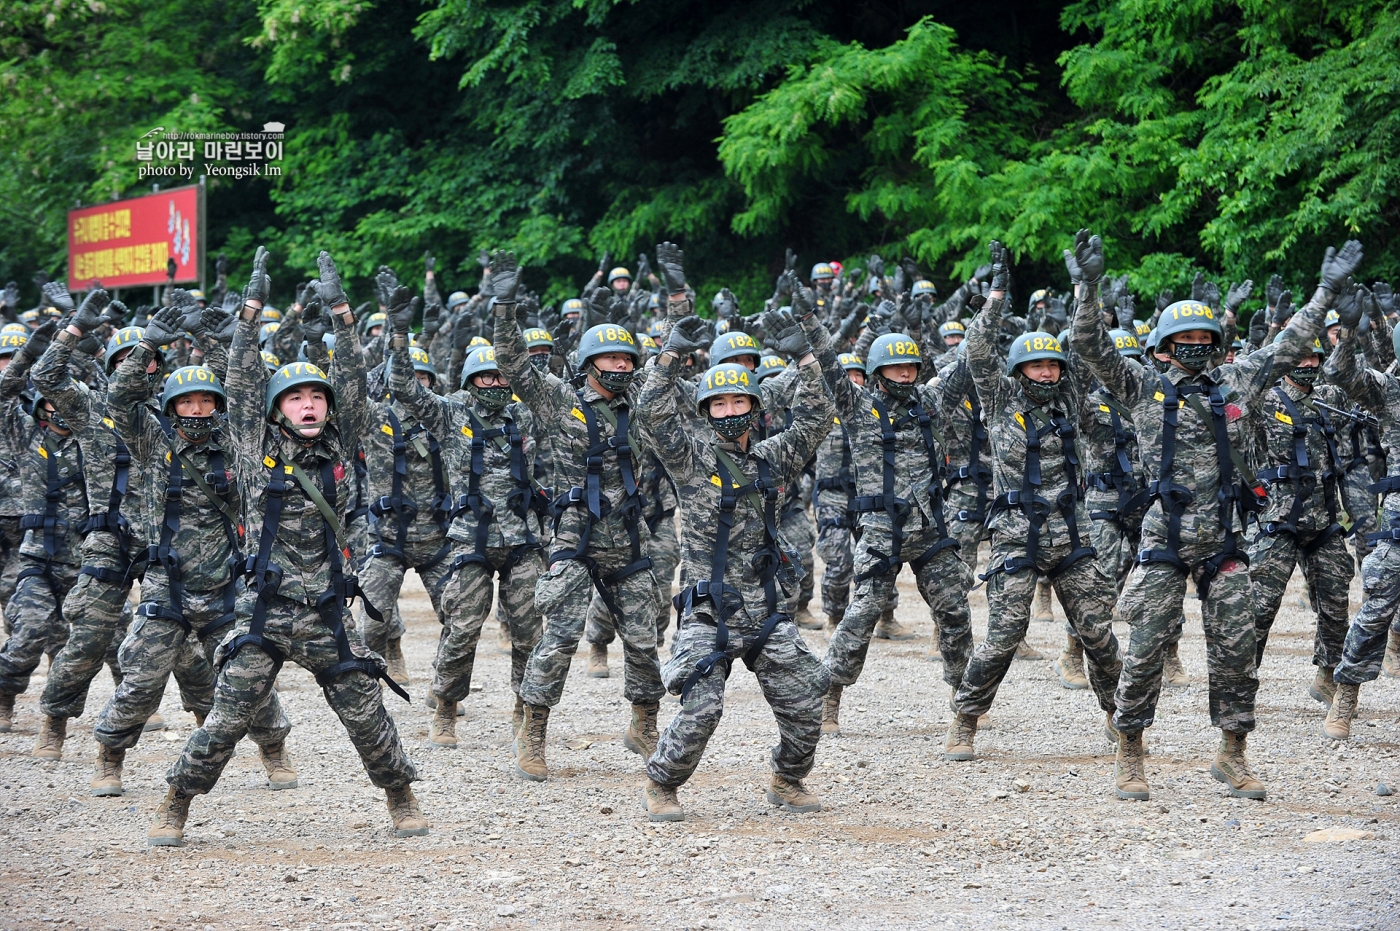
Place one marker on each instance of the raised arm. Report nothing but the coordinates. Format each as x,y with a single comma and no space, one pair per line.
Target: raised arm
247,376
1365,385
127,395
540,391
433,410
661,421
812,413
984,363
1088,332
73,400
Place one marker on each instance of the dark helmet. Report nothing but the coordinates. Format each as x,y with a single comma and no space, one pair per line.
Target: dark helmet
125,338
728,346
270,361
1141,328
480,360
892,349
1031,346
292,376
572,306
923,286
11,343
605,338
770,364
851,362
1189,315
1126,343
191,379
457,299
617,273
421,362
952,328
823,270
537,336
727,378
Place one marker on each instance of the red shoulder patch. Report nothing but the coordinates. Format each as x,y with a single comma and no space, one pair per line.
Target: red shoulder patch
339,471
1232,413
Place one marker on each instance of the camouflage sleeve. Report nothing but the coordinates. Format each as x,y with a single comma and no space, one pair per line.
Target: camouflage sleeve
318,355
661,421
348,378
16,376
71,399
126,405
812,412
286,342
984,360
844,392
247,392
1365,386
784,387
215,356
1382,343
1257,374
953,382
1091,342
434,411
541,393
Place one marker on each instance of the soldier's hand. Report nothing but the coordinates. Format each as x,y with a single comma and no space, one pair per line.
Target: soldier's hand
802,305
1259,327
1273,289
1283,311
1127,311
672,261
1348,306
89,315
402,309
788,335
165,327
1088,255
56,295
1338,265
259,285
1211,295
1165,299
115,314
505,276
1385,298
1198,287
1001,266
386,282
1238,294
11,298
688,335
432,319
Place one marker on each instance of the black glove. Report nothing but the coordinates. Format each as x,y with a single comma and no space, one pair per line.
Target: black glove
850,326
672,261
643,267
802,304
386,282
875,266
432,319
11,298
505,276
40,339
976,302
429,262
1258,327
1085,262
315,323
1237,295
1001,266
1127,311
221,265
259,285
89,316
1283,311
461,334
788,336
211,320
1273,289
402,309
1165,299
1198,287
483,258
165,327
307,293
115,314
89,344
1385,298
1348,305
1211,295
728,306
1337,266
56,295
603,263
687,335
600,306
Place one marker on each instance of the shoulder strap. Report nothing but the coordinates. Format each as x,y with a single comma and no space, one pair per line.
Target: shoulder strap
314,493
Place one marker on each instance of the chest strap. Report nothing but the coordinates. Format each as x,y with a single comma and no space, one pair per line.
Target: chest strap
975,471
403,508
1302,473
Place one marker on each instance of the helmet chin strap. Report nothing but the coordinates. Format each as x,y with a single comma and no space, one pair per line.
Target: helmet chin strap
297,430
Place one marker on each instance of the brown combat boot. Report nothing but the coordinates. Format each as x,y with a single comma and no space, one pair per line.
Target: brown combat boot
833,619
662,804
806,620
7,713
887,628
641,734
1322,687
1173,673
1044,607
597,661
1069,665
403,808
107,774
957,746
442,729
1390,666
517,715
792,795
169,827
278,764
397,666
1231,768
529,744
1130,773
1024,651
831,712
155,722
199,719
49,744
1339,716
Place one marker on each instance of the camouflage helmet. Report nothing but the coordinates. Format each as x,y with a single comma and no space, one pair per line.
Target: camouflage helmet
605,338
1028,347
293,376
770,364
1126,343
726,378
11,343
479,360
191,379
1184,316
125,338
892,349
729,346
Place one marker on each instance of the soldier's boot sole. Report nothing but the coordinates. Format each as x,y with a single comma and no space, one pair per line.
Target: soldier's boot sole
107,791
154,723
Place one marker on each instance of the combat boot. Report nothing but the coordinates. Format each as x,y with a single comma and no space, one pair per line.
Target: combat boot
7,713
1173,673
1044,608
1390,666
1339,716
831,712
517,715
887,628
792,795
641,735
1231,768
1025,651
597,661
278,764
403,808
442,730
529,744
804,619
957,746
155,722
833,619
662,804
397,667
1069,666
1129,771
1322,687
107,774
169,827
49,744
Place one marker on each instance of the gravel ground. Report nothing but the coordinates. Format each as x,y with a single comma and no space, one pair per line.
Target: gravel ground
1028,836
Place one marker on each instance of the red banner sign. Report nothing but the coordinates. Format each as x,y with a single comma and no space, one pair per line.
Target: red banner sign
129,242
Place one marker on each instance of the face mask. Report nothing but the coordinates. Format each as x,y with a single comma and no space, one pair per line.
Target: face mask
899,390
195,429
153,378
540,360
731,428
493,398
1193,356
1039,392
1161,365
615,382
53,418
1305,376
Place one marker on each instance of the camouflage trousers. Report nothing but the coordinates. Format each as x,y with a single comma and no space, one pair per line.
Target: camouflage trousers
795,529
1155,593
1084,591
1360,506
968,533
1117,554
10,538
943,582
1364,648
245,684
792,679
381,577
360,543
834,547
158,647
96,611
665,552
1328,571
466,601
562,595
36,622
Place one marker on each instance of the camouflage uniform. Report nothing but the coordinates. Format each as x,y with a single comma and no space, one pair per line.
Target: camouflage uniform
831,499
664,547
1205,520
1046,534
496,534
292,626
1306,532
969,458
589,551
11,509
792,680
178,633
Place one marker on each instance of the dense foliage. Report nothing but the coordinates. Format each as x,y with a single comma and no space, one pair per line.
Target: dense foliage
1232,137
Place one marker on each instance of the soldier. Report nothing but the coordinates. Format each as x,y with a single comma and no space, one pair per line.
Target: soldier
831,499
191,581
292,439
488,440
600,539
733,482
11,493
1032,402
1192,421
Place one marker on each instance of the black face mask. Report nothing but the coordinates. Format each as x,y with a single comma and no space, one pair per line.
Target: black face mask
1193,356
731,428
899,390
540,360
1038,392
493,398
195,429
1305,376
53,418
615,382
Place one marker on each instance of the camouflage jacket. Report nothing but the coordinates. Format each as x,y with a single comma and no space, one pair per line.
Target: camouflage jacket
259,447
834,458
202,543
1196,460
455,420
1098,452
1279,426
962,421
1378,393
694,464
419,483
